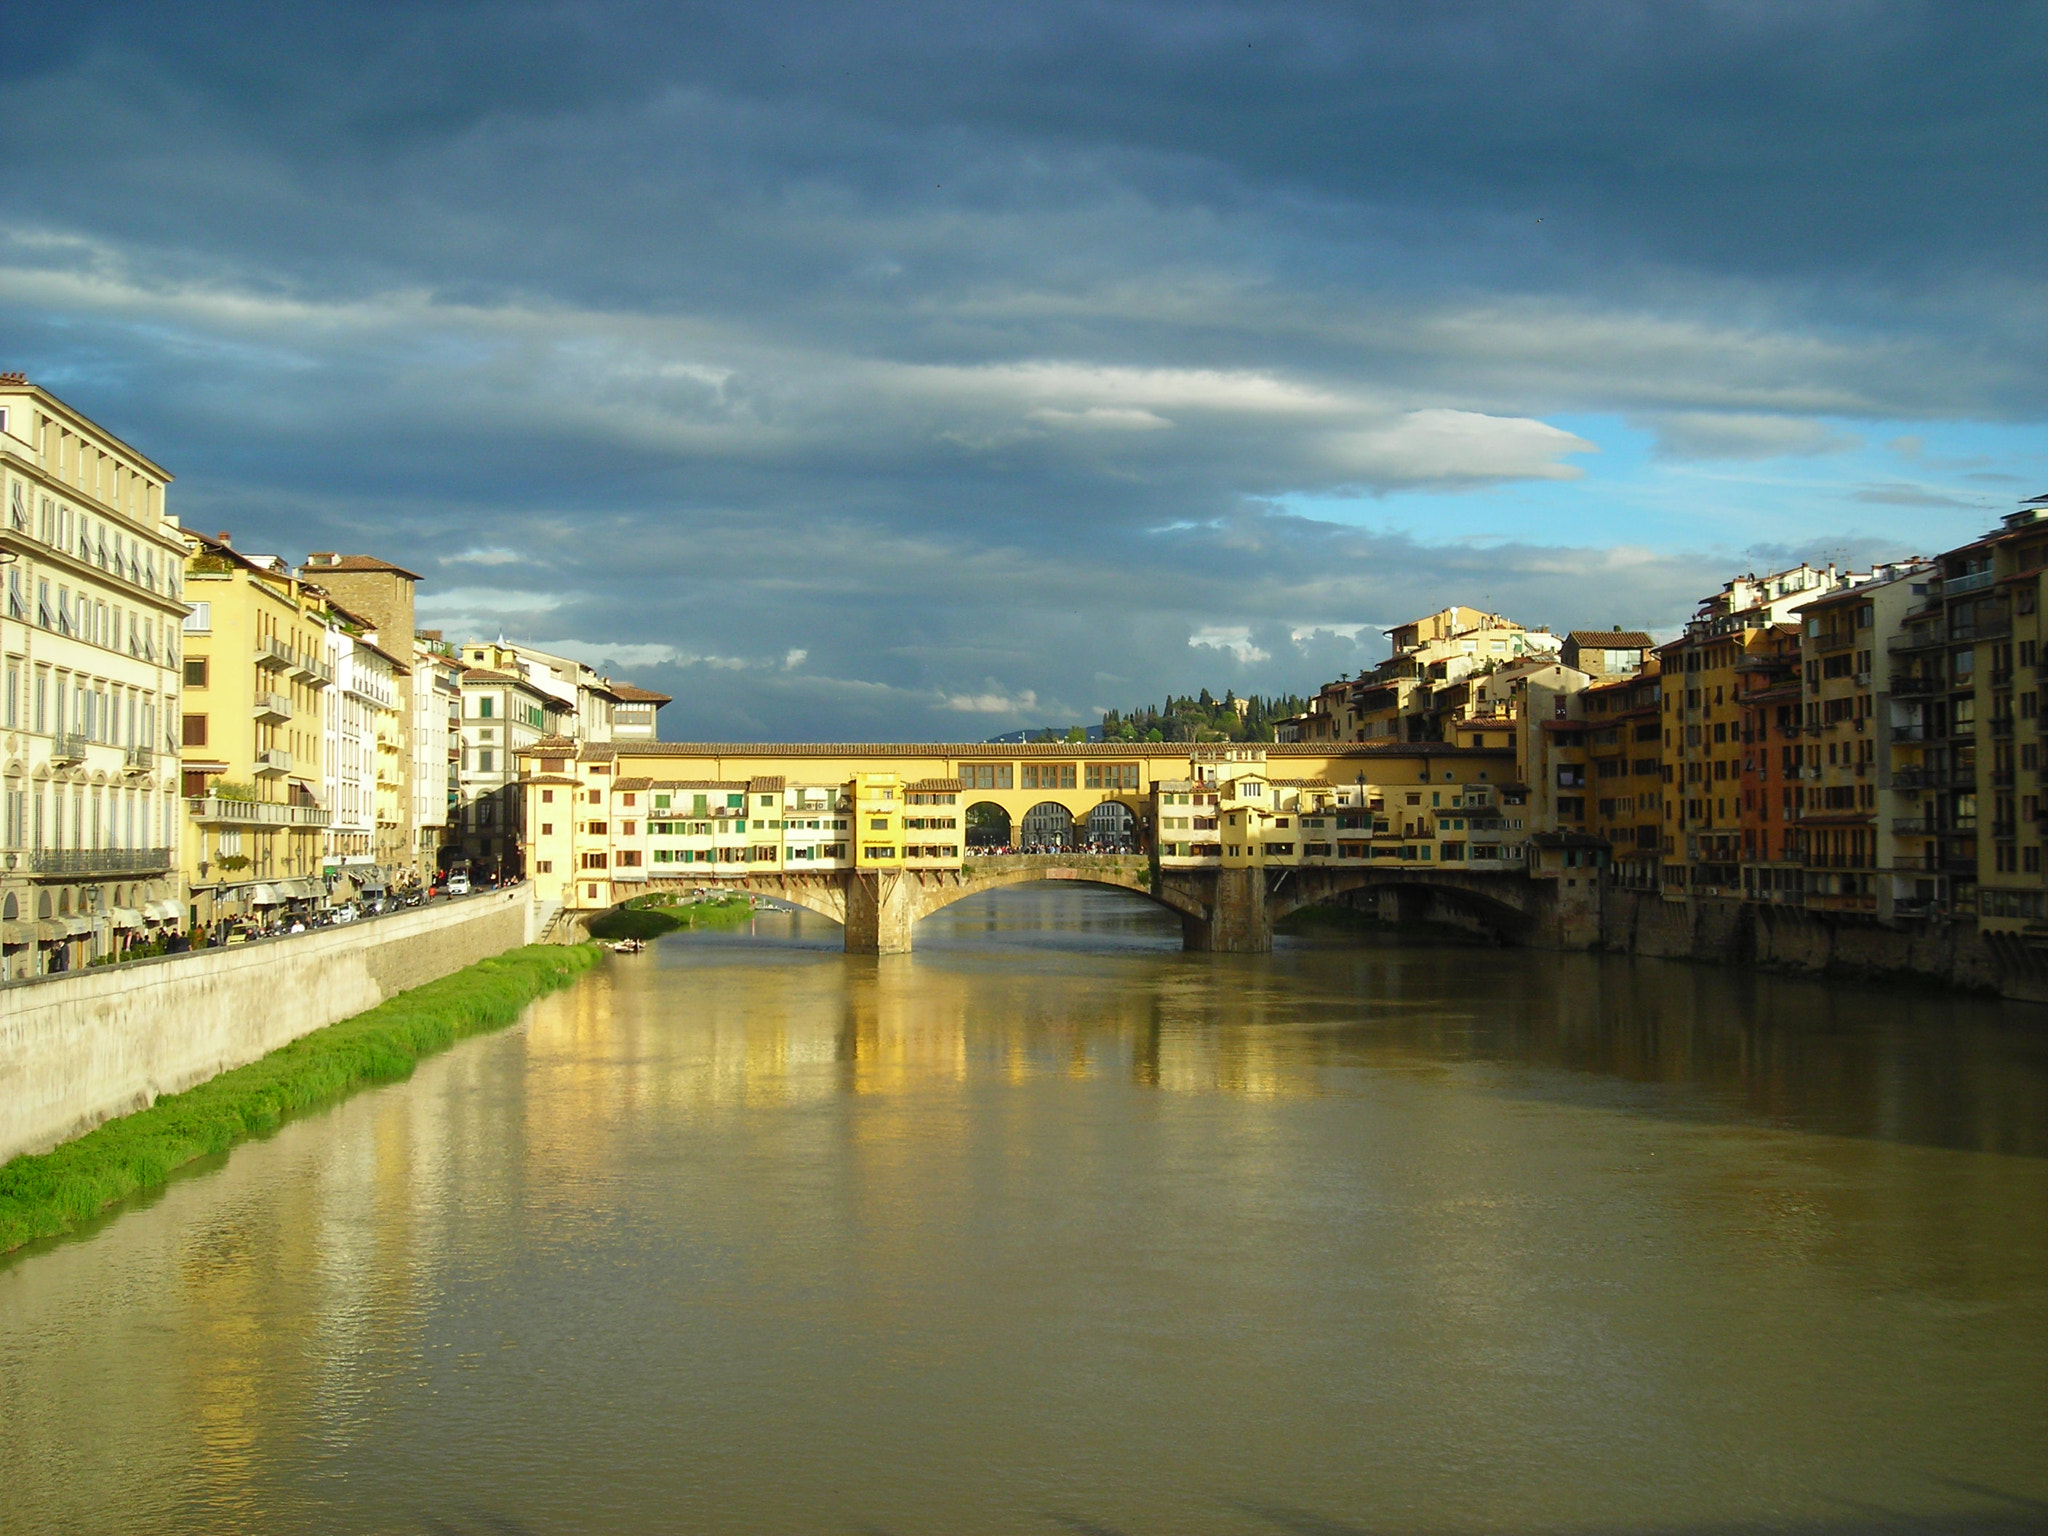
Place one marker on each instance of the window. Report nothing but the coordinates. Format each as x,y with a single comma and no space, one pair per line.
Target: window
485,759
200,620
595,828
1049,775
547,797
484,708
544,867
986,775
593,861
195,672
195,731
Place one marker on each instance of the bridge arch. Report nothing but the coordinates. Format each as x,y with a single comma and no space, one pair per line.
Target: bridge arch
1047,826
987,825
1111,825
1506,908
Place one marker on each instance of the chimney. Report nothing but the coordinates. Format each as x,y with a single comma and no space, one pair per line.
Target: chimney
323,557
13,380
224,537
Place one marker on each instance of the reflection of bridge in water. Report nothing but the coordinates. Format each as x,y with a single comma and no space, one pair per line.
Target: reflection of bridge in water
1228,837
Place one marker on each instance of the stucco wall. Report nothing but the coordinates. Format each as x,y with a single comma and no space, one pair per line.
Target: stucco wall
79,1049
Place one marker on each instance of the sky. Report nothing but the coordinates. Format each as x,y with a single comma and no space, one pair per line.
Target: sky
924,371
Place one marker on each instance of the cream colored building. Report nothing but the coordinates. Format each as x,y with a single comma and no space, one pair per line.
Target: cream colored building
366,848
1433,686
436,733
92,650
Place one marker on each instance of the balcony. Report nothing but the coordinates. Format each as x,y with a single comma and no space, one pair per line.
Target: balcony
99,861
138,760
272,654
2001,725
1976,581
1913,826
1906,685
2001,778
1905,734
1916,640
211,810
68,747
308,668
273,760
2004,830
273,707
1996,628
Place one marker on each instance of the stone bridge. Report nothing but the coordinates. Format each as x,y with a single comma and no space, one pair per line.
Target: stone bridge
1225,910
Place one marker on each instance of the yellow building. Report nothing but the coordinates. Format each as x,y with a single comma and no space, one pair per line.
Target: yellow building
91,640
256,676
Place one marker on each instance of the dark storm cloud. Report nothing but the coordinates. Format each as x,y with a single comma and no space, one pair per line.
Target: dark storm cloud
966,350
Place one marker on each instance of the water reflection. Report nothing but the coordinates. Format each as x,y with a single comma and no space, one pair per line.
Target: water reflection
1053,1226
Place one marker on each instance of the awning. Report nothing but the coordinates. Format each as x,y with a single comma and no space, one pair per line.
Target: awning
166,911
76,927
264,896
125,917
303,890
17,933
50,930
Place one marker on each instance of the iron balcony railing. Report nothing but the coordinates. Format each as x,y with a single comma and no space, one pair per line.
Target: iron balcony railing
273,653
138,759
272,706
68,747
99,861
1906,685
273,760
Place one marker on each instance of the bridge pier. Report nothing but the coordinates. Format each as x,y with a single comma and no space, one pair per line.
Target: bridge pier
1239,920
881,908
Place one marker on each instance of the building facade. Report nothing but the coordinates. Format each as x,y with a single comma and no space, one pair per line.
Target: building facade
92,673
253,734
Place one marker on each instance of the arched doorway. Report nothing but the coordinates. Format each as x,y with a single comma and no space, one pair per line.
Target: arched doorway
1048,827
1111,826
988,825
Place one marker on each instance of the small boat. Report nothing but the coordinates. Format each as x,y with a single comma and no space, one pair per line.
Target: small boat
628,946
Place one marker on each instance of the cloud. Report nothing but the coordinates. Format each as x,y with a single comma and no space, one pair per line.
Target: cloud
1899,493
994,702
934,367
1234,638
1734,435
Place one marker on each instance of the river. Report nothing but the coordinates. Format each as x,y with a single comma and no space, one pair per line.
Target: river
1052,1228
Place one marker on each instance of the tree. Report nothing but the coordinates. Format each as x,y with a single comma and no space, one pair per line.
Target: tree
1078,733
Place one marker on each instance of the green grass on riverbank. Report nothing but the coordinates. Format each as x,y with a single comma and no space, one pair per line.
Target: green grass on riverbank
51,1192
649,917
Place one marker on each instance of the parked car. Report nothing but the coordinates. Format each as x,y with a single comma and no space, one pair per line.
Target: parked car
458,885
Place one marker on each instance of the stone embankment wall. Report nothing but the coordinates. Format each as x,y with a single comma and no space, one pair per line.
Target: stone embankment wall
79,1049
1819,943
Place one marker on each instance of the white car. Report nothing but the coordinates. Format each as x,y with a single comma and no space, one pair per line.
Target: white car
458,885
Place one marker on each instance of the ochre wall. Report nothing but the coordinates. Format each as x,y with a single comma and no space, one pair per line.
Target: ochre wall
82,1048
